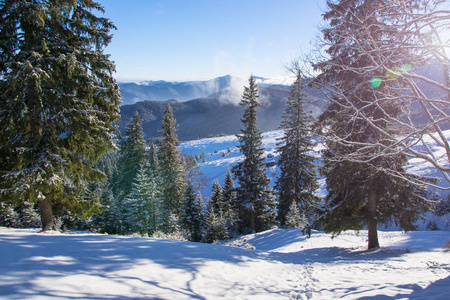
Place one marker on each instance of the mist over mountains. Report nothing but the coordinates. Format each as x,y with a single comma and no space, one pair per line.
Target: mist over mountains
207,108
225,87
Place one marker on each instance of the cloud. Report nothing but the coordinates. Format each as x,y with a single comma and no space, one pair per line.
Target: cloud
233,93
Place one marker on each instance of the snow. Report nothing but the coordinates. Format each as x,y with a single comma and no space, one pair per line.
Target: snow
216,165
285,265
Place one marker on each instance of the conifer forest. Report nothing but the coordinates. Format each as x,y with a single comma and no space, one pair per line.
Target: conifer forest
64,165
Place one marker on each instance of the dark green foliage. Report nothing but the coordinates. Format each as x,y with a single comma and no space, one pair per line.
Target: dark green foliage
9,217
254,198
58,102
362,188
143,203
229,204
132,154
298,176
215,227
216,200
171,164
192,218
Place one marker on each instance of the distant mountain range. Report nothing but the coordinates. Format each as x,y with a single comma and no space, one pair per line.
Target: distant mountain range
207,108
228,85
210,108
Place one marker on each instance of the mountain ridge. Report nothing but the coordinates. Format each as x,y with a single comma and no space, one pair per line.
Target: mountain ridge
182,91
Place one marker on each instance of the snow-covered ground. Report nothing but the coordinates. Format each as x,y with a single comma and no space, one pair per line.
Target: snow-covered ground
284,265
222,153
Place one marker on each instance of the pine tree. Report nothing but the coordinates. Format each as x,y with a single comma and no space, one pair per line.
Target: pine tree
171,165
298,176
192,218
254,196
29,216
9,217
106,220
215,227
153,158
230,207
143,203
58,99
132,154
216,200
295,218
361,189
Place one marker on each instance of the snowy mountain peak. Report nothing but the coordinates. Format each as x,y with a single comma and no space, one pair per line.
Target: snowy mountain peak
161,90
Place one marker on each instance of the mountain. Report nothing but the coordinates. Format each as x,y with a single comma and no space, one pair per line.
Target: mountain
218,114
161,90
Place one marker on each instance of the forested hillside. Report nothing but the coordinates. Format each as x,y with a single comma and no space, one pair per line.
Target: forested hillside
200,118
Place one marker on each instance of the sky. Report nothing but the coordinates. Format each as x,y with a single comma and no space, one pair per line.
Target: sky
204,39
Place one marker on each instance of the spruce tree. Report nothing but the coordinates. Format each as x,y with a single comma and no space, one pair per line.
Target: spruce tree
106,220
254,196
215,227
216,200
298,175
143,203
361,188
58,99
171,165
295,218
229,204
192,219
132,155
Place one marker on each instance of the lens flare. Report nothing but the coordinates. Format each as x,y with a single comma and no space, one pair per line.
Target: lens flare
375,82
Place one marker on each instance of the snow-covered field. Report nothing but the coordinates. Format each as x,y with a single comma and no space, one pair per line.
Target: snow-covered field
284,265
222,153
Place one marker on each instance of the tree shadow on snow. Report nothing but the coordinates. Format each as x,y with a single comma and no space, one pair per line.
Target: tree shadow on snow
436,290
27,260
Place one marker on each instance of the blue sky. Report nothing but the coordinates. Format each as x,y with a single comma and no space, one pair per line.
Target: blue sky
203,39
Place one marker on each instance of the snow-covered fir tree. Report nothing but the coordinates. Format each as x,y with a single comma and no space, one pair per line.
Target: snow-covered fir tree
29,216
132,155
295,218
106,220
171,164
192,217
9,217
364,187
215,226
229,204
59,101
254,196
216,199
298,175
143,203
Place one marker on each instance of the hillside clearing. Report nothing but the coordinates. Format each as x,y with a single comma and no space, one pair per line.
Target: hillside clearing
84,265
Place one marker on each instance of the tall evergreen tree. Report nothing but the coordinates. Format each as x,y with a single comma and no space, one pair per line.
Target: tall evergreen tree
229,204
254,196
58,99
298,175
132,155
361,190
215,227
216,200
171,165
295,218
143,203
192,218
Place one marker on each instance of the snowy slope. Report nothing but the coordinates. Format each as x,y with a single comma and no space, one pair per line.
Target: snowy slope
216,165
284,265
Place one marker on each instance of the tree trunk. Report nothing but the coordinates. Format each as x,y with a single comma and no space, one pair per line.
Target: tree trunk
47,218
372,219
